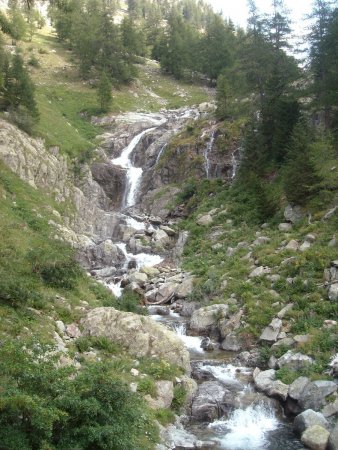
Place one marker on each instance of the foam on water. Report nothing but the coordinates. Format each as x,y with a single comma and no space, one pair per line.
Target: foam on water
226,373
246,428
193,343
139,226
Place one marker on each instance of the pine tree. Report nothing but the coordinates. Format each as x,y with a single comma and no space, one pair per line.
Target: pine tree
104,92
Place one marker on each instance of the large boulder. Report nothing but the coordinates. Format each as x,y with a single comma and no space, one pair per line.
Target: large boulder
297,387
204,319
231,343
265,381
208,402
185,288
140,335
163,294
314,393
315,437
307,419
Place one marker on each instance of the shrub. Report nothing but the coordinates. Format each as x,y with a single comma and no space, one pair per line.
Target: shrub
147,386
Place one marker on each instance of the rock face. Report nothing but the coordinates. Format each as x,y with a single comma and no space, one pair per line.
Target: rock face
141,336
34,164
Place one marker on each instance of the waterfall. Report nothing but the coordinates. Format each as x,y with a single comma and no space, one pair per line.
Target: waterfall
206,153
193,343
160,153
246,428
134,174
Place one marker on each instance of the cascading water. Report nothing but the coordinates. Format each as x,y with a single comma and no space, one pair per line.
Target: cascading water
206,154
160,153
134,174
193,343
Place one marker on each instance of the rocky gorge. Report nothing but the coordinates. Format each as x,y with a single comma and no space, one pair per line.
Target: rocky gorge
121,218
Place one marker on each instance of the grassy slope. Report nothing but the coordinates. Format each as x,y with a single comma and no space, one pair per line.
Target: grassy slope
213,266
62,96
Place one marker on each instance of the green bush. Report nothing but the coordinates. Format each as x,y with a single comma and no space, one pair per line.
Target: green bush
180,395
147,386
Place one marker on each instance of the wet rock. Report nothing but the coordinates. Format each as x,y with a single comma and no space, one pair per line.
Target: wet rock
207,345
293,214
315,437
313,395
294,361
307,419
203,319
140,335
271,332
231,343
208,402
159,310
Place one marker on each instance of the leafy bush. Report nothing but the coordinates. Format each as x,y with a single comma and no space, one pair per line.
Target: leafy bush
180,395
147,386
42,406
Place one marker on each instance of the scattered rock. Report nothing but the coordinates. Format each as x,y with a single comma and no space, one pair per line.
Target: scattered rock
331,409
333,292
282,313
73,331
314,393
208,402
294,361
259,271
231,343
271,332
297,387
285,227
204,319
266,382
292,245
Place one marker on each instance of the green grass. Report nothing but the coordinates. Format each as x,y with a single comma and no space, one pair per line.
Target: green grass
66,102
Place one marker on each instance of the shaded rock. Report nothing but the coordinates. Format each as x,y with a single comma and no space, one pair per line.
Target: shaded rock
333,439
208,403
333,292
297,387
313,395
294,361
307,419
207,345
159,310
188,308
293,214
204,318
168,230
331,409
315,437
231,343
140,335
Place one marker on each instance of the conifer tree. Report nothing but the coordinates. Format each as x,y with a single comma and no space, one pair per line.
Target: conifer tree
104,91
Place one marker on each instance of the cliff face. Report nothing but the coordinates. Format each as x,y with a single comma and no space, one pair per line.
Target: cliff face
86,207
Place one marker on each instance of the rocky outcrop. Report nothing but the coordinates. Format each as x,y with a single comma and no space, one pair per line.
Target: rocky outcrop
140,335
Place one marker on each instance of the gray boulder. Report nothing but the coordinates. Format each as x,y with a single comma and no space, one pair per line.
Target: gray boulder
203,319
293,214
271,332
208,403
297,387
259,271
333,292
205,220
266,382
294,361
307,419
287,226
314,393
231,343
140,335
